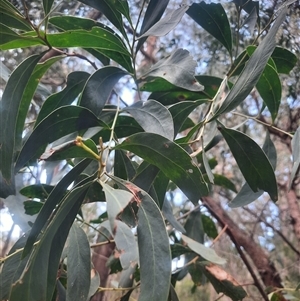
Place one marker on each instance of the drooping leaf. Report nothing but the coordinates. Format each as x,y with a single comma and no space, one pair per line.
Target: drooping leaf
208,170
95,283
254,68
116,200
123,167
75,83
154,251
153,14
43,265
54,198
252,161
109,9
98,88
47,4
62,121
28,93
32,207
284,59
205,252
209,226
169,157
12,267
168,214
269,88
153,117
79,265
194,226
251,20
296,155
167,23
9,109
6,188
212,17
222,181
14,20
224,282
178,69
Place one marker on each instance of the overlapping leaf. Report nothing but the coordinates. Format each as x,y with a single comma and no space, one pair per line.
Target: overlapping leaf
253,70
169,157
60,122
252,161
178,69
9,110
212,17
153,117
98,88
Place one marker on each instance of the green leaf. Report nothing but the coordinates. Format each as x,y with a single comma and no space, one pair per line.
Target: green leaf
212,17
153,13
123,167
167,23
75,84
79,265
224,182
209,226
127,248
98,88
28,94
224,283
101,39
123,8
173,160
284,59
116,200
269,88
9,110
47,6
181,111
6,188
12,267
154,251
194,226
63,121
253,70
43,265
168,214
110,9
54,198
14,20
32,207
178,69
252,161
153,117
206,253
296,155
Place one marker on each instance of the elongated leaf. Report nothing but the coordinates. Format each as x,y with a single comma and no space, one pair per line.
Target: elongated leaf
14,20
98,88
43,265
109,9
9,109
30,89
6,188
224,182
253,70
123,8
47,6
178,69
123,167
169,157
153,117
116,200
168,214
126,243
12,267
167,23
252,161
212,17
296,155
79,265
284,59
224,282
269,88
153,13
54,198
206,253
62,121
154,251
181,111
209,226
75,83
246,195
